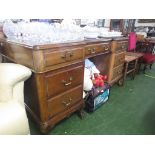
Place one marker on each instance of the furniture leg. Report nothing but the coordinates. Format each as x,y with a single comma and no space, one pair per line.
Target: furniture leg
134,72
151,65
81,113
125,71
145,66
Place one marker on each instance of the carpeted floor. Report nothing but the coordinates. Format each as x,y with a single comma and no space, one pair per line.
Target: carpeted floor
129,111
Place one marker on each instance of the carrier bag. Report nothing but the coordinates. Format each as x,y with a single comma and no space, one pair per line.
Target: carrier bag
97,97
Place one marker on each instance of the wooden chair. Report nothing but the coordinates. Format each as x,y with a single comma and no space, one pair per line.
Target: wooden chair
148,57
132,58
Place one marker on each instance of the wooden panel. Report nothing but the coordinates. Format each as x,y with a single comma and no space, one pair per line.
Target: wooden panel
96,48
117,71
62,56
61,81
119,59
65,100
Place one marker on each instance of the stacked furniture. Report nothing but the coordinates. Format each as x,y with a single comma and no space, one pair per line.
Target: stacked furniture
55,89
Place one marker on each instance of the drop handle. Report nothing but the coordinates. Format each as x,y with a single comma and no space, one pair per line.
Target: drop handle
67,103
66,83
93,51
106,48
123,46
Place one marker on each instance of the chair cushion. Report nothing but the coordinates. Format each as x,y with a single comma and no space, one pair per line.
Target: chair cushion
148,58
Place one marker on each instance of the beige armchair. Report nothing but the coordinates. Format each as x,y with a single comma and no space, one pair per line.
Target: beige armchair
13,118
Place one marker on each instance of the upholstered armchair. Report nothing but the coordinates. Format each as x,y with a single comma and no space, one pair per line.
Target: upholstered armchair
13,118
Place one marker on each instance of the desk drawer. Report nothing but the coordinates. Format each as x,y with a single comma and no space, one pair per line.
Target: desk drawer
117,71
96,48
119,46
119,59
63,56
63,80
64,101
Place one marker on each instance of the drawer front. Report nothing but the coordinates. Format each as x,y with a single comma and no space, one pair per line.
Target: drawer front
122,46
63,56
64,101
62,81
118,71
119,46
96,49
119,59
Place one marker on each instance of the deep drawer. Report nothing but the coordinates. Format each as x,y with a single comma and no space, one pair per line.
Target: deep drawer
63,56
119,59
118,71
61,81
64,101
96,48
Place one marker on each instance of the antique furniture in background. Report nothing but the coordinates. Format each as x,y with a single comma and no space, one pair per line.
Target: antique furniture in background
123,25
13,118
148,57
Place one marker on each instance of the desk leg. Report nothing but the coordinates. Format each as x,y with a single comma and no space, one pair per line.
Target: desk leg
125,70
134,72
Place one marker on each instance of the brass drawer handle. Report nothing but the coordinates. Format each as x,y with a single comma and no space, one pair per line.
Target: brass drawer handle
106,48
92,50
119,71
67,103
67,54
66,83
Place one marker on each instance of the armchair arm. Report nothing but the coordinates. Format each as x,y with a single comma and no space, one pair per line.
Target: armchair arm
10,75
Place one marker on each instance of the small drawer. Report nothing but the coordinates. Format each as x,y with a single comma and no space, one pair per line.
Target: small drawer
63,56
96,49
119,59
118,71
64,101
61,81
119,46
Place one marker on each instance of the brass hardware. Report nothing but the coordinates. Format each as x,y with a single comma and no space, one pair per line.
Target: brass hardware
89,49
93,51
119,71
123,46
71,78
67,103
106,48
65,83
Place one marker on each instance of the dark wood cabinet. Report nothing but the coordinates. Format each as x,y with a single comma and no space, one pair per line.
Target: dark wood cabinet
122,25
